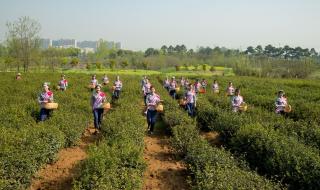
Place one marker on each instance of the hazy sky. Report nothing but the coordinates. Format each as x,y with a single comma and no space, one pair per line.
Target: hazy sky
139,24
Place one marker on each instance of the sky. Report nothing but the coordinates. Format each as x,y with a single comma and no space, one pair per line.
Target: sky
140,24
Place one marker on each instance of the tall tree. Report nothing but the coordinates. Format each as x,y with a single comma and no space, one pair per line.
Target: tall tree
164,49
23,40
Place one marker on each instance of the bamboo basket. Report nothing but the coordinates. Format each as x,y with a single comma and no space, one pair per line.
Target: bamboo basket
106,106
113,88
216,91
287,109
228,94
182,102
50,106
202,91
243,107
91,86
159,108
177,89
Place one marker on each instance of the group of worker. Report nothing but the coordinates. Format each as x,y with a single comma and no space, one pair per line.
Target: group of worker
98,97
189,99
151,98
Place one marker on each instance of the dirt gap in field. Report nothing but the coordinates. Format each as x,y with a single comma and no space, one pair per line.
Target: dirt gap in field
60,174
164,170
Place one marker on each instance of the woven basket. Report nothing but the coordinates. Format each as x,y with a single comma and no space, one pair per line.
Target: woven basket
243,107
287,109
182,102
177,89
50,106
202,91
216,91
227,94
159,108
113,87
106,106
91,86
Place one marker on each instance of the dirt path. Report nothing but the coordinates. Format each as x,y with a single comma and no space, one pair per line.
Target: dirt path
59,175
164,171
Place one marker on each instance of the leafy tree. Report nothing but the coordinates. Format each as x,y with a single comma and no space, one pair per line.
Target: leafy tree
164,49
145,64
170,50
259,50
204,67
178,67
250,50
64,61
112,64
74,61
124,63
23,40
98,65
151,52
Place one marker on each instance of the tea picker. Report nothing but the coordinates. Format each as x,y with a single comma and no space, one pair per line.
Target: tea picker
117,86
45,100
237,103
63,83
98,105
93,83
153,106
281,103
18,76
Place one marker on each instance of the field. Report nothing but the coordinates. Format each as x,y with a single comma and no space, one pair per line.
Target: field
253,150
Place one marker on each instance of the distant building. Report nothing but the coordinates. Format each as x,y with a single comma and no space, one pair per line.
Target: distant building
88,44
118,45
109,44
45,43
85,46
87,50
65,43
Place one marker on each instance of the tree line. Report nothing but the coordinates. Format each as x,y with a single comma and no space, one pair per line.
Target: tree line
21,51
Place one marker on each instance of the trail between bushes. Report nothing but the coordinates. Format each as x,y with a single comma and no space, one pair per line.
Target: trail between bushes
59,175
164,170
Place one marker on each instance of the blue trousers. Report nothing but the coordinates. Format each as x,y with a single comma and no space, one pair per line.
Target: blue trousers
173,93
97,117
44,114
190,108
116,94
145,98
151,119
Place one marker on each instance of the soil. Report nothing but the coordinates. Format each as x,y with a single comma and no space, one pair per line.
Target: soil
164,170
60,174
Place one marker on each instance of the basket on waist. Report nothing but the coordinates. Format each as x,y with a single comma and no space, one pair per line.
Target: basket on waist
243,107
287,108
177,89
50,106
106,106
216,91
159,108
113,88
91,86
182,102
202,91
